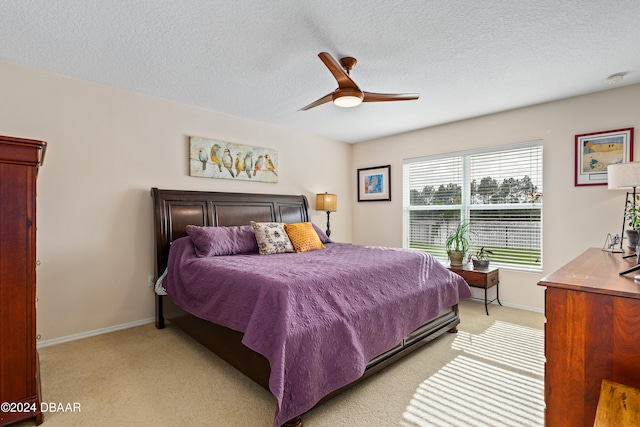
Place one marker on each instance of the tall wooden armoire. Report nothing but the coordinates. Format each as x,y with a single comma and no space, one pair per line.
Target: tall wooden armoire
19,372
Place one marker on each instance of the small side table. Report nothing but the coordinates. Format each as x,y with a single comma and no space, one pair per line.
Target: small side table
481,279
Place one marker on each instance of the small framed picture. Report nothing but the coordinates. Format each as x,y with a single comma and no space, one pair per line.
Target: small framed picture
595,151
374,184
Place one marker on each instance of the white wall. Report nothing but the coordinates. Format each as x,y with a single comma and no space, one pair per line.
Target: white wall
574,218
107,148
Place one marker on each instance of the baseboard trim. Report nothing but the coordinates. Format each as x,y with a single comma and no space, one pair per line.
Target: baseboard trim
81,335
480,300
522,307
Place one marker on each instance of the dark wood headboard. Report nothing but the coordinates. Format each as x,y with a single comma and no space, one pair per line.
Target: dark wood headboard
175,209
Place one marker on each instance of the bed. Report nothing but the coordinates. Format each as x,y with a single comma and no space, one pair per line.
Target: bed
352,353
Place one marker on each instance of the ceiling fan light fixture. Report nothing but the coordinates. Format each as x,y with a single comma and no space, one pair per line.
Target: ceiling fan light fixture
347,98
347,101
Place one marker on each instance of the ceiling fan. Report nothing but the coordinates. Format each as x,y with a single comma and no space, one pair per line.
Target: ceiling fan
348,94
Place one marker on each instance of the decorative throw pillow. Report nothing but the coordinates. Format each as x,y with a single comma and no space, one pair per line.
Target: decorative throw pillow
303,237
322,235
217,241
271,238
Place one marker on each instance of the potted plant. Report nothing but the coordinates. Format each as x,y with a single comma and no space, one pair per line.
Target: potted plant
481,259
457,243
632,214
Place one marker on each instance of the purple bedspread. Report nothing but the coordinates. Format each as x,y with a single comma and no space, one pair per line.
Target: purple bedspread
319,317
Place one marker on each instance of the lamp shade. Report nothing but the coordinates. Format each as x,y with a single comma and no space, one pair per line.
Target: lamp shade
623,175
327,202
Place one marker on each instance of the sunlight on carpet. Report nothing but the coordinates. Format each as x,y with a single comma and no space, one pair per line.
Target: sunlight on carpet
498,381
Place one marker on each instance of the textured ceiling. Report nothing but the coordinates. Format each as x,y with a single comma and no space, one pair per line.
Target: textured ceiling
258,59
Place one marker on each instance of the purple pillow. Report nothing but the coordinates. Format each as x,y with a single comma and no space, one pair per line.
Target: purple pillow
216,241
322,235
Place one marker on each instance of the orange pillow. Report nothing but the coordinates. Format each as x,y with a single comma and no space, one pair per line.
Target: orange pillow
303,237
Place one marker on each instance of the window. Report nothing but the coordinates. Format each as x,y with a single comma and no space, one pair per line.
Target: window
499,190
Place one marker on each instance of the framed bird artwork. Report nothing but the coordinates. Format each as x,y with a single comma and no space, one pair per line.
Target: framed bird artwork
210,158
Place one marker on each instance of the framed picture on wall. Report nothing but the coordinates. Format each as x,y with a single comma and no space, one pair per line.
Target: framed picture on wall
211,158
374,184
595,151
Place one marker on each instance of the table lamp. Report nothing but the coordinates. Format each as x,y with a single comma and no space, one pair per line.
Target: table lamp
624,176
328,203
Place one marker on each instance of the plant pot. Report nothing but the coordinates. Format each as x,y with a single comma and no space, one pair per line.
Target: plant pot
480,264
632,239
456,258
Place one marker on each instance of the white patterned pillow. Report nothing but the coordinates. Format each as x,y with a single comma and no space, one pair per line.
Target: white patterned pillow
271,238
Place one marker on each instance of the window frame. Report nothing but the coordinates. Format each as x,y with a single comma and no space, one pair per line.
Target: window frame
465,207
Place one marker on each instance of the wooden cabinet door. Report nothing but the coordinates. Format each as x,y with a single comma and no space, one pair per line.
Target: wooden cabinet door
17,330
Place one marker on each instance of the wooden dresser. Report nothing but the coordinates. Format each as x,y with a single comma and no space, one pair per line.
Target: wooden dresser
592,333
19,373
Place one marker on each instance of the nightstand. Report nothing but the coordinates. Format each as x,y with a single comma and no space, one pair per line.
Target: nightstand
484,279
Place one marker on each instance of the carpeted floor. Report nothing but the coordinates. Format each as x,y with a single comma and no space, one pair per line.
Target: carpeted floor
489,374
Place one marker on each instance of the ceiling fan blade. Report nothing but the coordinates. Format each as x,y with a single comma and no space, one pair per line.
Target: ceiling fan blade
381,97
324,99
344,81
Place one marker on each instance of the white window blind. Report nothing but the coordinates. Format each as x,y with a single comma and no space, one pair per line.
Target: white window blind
498,190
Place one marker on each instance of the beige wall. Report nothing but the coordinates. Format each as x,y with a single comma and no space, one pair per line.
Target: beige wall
575,218
107,148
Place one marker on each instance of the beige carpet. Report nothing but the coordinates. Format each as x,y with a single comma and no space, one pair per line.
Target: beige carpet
489,374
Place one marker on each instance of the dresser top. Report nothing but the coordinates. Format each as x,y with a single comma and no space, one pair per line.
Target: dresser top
596,271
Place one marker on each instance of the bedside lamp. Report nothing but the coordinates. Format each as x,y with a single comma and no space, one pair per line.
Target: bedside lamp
624,176
328,203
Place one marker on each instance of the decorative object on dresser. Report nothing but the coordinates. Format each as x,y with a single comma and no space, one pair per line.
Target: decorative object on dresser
594,152
271,346
19,371
613,244
328,203
484,278
374,184
626,176
592,333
